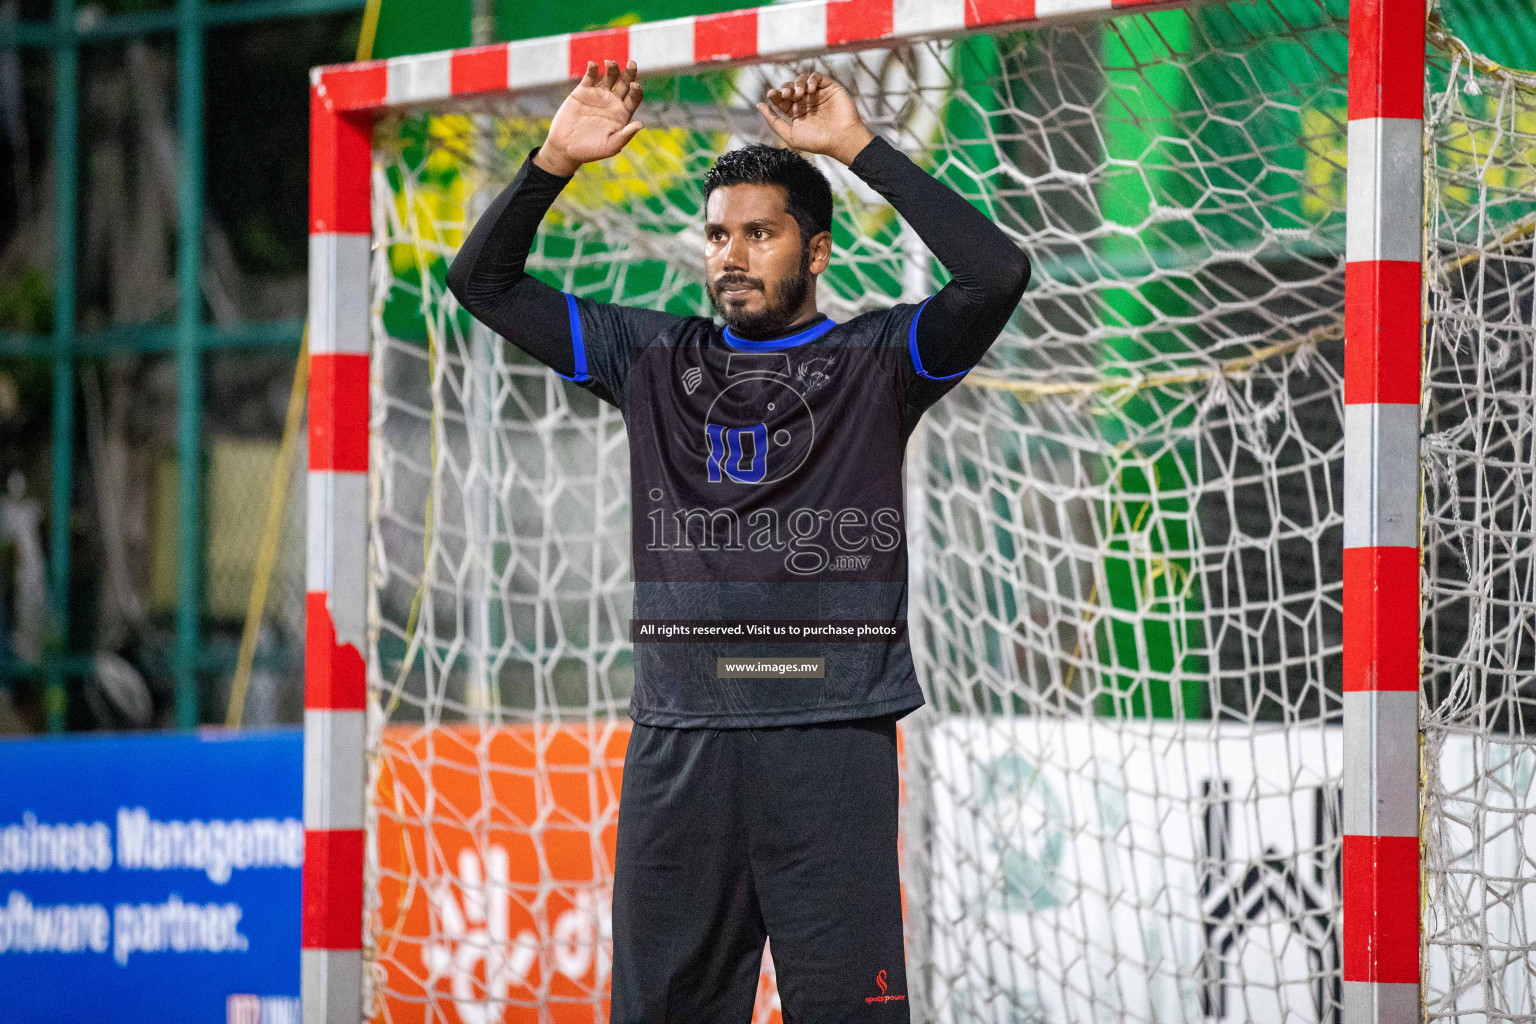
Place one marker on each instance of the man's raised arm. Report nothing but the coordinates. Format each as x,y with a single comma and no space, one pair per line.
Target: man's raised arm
988,272
488,275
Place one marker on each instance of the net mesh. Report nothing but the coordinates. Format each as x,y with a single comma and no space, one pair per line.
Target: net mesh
1478,456
1122,800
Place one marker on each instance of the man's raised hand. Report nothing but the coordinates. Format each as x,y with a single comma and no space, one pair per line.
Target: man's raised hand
815,114
594,121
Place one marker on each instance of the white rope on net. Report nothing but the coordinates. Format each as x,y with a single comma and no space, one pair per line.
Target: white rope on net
1478,452
1123,796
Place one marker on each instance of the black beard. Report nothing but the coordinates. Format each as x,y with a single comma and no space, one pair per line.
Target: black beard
772,318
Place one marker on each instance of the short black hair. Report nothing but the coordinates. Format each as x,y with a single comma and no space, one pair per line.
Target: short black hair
808,195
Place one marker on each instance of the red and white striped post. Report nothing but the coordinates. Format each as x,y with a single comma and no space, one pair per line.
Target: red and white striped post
678,44
1382,324
334,677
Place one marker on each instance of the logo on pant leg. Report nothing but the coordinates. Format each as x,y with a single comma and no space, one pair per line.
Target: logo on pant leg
883,997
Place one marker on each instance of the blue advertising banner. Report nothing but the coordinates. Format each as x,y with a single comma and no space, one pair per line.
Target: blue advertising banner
151,878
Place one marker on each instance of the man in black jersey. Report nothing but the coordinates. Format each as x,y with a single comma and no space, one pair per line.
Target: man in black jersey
769,552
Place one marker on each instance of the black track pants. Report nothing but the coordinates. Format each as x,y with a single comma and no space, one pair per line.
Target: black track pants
729,836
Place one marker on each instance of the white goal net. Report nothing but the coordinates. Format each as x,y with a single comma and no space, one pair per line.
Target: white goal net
1478,459
1122,801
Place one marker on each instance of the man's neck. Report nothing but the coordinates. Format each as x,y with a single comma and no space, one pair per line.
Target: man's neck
805,318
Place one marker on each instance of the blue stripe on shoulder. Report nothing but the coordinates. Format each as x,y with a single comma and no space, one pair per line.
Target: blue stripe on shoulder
578,343
917,362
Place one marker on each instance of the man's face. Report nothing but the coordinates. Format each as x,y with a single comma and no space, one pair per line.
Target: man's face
758,271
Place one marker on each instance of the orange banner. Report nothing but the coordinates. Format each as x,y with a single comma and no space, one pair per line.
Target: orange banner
495,867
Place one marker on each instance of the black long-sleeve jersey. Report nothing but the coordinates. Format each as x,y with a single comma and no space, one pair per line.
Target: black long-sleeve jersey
768,540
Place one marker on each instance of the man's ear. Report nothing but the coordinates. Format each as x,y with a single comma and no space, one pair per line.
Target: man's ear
821,251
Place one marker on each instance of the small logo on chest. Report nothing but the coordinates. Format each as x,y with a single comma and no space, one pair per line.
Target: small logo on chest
814,374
